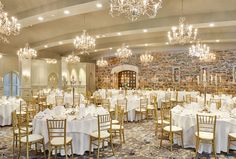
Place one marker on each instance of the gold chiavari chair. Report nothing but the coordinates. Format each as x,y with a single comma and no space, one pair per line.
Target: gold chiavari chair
97,100
142,110
174,98
41,102
26,137
188,98
231,140
206,128
107,105
194,99
103,133
151,107
59,100
77,100
31,110
167,100
217,102
170,129
119,127
57,137
123,104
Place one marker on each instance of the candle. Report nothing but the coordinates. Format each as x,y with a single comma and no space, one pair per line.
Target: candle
211,79
216,79
198,80
220,79
204,76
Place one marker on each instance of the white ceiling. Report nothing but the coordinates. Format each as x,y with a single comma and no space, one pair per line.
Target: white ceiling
57,26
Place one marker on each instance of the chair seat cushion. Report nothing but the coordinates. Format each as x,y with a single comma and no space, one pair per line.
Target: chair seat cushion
23,130
112,109
233,135
174,128
150,107
60,140
164,122
117,127
32,138
142,110
205,135
103,134
115,121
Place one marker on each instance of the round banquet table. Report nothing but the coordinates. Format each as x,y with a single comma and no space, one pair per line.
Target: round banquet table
223,127
7,106
79,129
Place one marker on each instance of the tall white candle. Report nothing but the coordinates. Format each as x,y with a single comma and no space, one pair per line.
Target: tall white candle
211,79
198,80
216,79
204,76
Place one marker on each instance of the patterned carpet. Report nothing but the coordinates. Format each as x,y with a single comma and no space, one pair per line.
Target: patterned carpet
141,143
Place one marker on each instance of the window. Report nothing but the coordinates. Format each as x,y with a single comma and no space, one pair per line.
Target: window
11,84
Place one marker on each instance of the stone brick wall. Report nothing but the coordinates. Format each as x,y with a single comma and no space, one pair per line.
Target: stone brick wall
159,74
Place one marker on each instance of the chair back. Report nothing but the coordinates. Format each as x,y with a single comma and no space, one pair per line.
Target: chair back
153,98
188,98
56,128
106,104
167,96
104,123
122,103
206,123
98,100
194,99
217,102
165,113
59,100
143,104
120,116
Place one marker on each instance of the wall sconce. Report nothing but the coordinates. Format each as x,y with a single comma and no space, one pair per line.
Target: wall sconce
26,76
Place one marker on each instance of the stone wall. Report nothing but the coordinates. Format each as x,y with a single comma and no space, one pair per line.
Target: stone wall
159,73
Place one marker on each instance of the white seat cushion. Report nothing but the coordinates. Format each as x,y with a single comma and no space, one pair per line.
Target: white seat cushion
112,109
32,138
174,128
205,135
142,110
103,134
150,107
233,135
117,127
115,121
164,122
23,130
60,140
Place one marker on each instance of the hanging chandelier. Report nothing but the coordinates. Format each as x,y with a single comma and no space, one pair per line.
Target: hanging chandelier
199,50
133,9
51,61
8,26
72,58
208,57
146,58
102,63
27,52
123,52
184,33
84,43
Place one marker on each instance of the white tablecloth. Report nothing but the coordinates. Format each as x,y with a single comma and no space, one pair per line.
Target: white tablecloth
68,98
188,123
79,129
7,106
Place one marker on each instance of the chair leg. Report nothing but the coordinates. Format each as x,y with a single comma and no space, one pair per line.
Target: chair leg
65,148
44,151
135,117
49,152
56,152
72,153
161,137
90,145
112,148
19,152
228,145
214,148
98,148
123,131
27,150
171,141
120,136
197,145
182,139
36,149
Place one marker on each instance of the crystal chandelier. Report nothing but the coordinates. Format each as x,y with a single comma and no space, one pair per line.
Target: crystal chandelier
72,58
208,57
184,33
8,26
51,61
84,43
146,58
134,9
199,50
123,52
102,63
27,52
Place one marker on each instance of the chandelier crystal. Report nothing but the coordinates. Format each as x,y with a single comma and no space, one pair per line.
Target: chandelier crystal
123,52
199,50
183,34
51,61
133,9
102,63
27,52
8,26
84,43
146,58
72,58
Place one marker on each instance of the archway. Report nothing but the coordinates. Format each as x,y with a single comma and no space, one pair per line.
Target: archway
11,84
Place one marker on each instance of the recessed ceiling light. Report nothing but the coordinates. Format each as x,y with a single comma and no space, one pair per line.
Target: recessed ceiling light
110,48
40,18
45,46
167,43
119,33
60,42
66,12
97,36
146,44
127,46
103,36
99,5
0,56
211,25
145,30
217,40
53,15
95,50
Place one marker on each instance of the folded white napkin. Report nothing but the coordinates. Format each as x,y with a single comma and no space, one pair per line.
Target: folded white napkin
177,109
40,115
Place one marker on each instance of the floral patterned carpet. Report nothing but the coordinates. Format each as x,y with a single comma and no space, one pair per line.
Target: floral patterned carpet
140,143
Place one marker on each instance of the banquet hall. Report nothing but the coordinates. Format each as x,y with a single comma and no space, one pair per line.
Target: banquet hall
114,79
